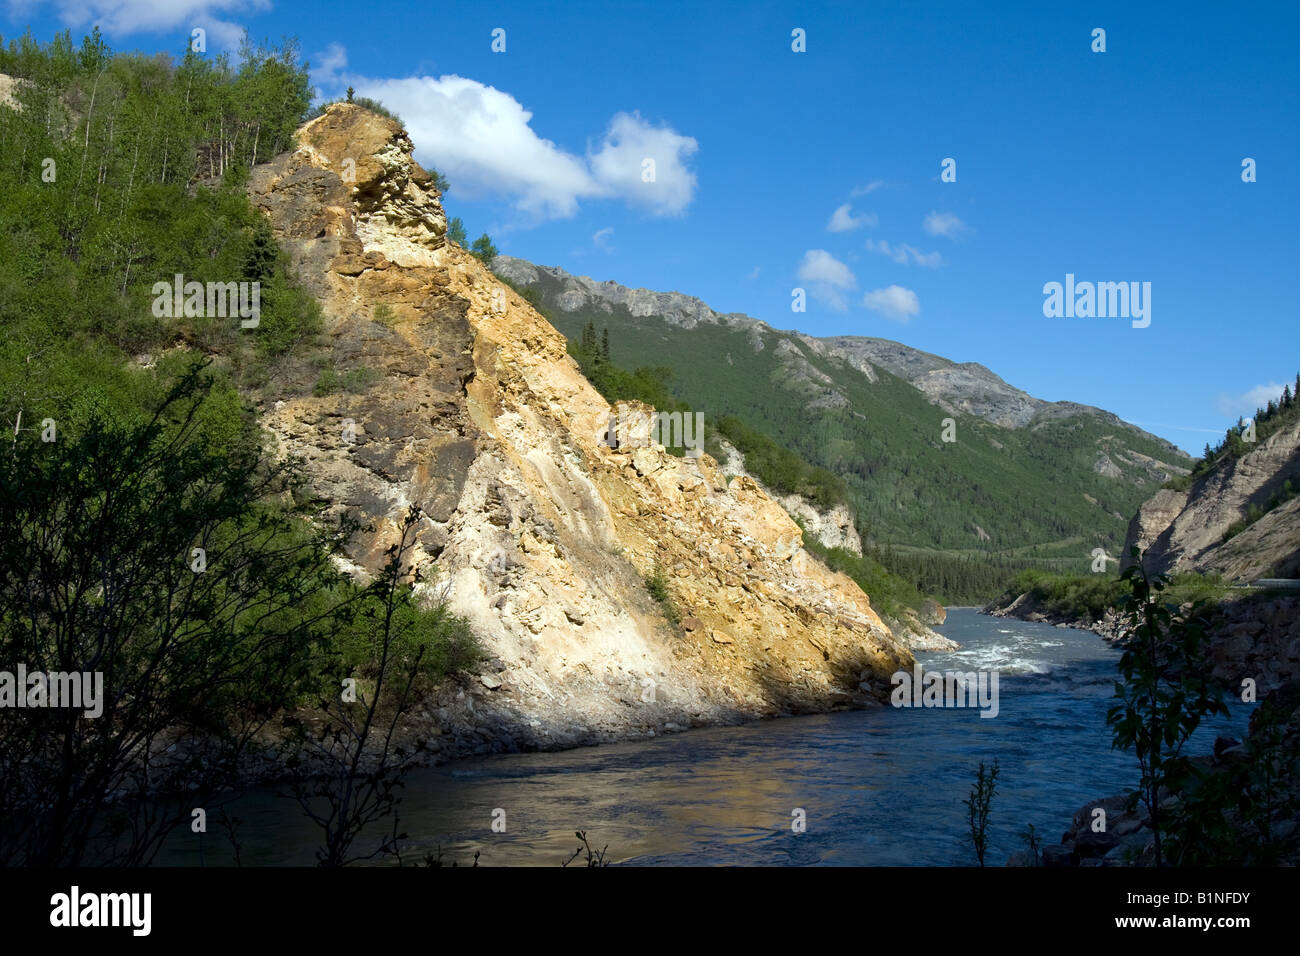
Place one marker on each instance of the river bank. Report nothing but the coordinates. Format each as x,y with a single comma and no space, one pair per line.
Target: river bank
1252,635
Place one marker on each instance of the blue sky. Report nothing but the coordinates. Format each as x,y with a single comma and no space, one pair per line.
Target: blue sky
820,170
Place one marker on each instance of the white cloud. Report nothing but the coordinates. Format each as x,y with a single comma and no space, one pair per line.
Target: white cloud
843,220
329,64
1246,404
893,302
124,17
601,238
904,253
828,278
621,164
753,274
943,224
482,139
868,188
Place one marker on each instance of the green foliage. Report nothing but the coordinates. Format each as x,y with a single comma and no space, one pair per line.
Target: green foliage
148,155
386,654
355,380
1087,597
1164,694
656,582
781,469
385,315
1270,419
98,572
1229,817
889,593
375,106
431,641
957,578
483,249
456,231
977,807
1082,597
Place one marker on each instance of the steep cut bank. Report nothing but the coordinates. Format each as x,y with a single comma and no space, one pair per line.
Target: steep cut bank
544,535
1196,529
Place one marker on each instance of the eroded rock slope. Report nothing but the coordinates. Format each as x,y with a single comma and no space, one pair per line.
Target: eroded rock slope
1189,530
543,534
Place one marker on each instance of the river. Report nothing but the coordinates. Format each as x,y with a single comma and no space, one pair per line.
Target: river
877,787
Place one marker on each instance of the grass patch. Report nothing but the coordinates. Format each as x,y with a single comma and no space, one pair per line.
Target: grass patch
355,380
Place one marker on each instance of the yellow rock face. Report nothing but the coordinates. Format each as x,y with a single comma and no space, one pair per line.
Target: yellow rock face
543,533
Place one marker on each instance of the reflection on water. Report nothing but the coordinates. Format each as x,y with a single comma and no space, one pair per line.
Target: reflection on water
879,787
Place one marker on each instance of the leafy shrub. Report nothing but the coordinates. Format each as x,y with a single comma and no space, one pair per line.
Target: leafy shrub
977,807
448,643
1165,692
1076,596
656,582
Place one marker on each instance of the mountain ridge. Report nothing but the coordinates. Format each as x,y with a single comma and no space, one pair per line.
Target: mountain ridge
934,375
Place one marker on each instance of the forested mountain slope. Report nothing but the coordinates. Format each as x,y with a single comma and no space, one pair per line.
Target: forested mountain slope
1024,481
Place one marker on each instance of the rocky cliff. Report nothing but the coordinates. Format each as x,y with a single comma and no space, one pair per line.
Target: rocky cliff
1189,530
833,526
542,533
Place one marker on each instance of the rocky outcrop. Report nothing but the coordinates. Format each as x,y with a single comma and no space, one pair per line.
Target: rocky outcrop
1270,547
932,613
1189,530
954,386
8,89
542,533
577,292
834,528
913,630
1256,637
831,527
